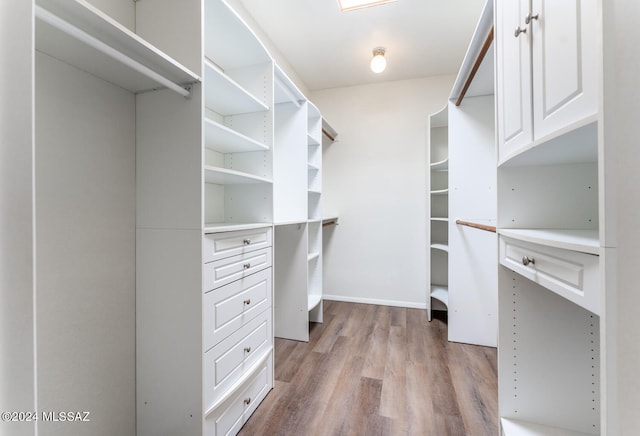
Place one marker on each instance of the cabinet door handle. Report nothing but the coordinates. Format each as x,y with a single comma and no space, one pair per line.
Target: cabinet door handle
247,301
246,241
530,17
246,266
247,401
519,30
247,349
526,260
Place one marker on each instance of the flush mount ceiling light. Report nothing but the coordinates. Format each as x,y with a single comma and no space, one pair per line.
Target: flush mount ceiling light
378,63
350,5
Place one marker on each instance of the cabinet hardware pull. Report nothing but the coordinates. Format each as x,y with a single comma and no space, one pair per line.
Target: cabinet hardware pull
247,265
247,349
247,301
519,30
247,401
530,17
247,241
526,260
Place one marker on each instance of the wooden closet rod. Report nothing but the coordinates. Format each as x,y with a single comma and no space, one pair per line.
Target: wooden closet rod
477,226
328,134
476,65
330,222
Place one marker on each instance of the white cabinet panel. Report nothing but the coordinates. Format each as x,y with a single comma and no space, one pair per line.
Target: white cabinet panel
571,274
564,63
227,244
229,417
227,362
547,72
513,76
224,271
228,308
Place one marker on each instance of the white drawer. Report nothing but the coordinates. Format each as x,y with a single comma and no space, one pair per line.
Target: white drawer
226,363
228,418
570,274
224,271
227,244
230,307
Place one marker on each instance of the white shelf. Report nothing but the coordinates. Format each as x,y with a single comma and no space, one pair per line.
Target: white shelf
585,241
440,192
440,293
314,300
312,167
81,35
311,140
440,246
576,143
440,219
231,227
313,256
225,140
313,191
225,176
225,96
440,166
513,427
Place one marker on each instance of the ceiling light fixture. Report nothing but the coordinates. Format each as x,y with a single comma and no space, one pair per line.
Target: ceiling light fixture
350,5
378,63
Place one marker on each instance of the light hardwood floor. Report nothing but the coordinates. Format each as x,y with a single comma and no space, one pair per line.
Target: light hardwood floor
378,370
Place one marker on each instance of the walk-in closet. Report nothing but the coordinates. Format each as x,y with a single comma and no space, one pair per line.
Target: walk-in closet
314,217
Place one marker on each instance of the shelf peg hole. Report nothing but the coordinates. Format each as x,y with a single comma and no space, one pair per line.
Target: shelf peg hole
247,301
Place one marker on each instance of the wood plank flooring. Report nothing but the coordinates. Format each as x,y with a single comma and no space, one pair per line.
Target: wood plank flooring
379,370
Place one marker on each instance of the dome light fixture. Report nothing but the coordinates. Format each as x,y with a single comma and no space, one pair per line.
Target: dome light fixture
378,63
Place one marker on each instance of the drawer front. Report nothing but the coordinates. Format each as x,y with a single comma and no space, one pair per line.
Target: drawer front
571,274
227,362
229,417
227,244
230,307
225,271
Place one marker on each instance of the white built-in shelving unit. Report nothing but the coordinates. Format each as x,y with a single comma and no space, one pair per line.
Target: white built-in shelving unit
553,278
297,194
472,240
437,231
239,203
239,117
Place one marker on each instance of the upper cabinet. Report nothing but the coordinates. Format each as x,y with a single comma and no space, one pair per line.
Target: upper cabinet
546,70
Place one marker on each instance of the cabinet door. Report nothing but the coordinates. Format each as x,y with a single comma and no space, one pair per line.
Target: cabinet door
564,45
514,77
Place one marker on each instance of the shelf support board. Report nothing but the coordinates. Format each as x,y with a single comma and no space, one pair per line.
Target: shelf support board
74,32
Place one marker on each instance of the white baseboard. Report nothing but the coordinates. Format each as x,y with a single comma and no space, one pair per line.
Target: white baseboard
396,303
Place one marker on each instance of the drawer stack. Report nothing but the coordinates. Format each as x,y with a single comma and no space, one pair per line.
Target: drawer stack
238,332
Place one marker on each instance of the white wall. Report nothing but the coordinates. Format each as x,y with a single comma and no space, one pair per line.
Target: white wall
622,181
375,179
17,351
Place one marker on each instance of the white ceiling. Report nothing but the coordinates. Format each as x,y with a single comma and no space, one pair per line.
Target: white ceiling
328,48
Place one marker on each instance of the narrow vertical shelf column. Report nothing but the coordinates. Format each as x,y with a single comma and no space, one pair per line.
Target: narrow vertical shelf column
438,206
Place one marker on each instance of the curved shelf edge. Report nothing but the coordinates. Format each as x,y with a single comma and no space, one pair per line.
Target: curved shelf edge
314,300
440,293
